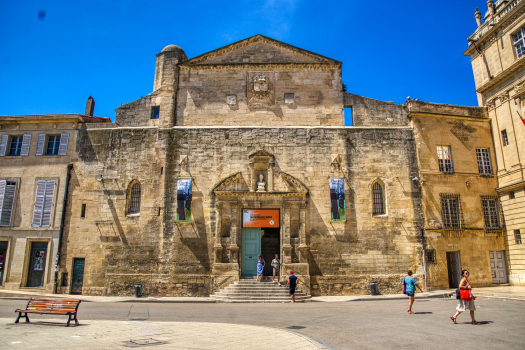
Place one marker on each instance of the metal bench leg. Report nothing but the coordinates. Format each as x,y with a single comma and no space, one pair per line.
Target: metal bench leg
18,318
27,318
68,320
76,321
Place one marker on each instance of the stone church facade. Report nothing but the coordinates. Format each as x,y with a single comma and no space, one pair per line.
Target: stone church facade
243,151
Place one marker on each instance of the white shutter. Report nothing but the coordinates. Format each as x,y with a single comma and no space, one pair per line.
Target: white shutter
39,203
7,205
3,144
48,203
26,142
2,193
40,144
62,150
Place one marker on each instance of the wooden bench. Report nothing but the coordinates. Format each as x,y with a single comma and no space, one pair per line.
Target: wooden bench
50,307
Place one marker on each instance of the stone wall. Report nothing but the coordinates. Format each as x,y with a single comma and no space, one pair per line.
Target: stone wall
374,113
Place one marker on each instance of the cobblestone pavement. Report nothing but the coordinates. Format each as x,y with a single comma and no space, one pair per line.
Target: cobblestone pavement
94,334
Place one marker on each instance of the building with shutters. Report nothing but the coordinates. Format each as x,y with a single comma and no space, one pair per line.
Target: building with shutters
497,53
35,154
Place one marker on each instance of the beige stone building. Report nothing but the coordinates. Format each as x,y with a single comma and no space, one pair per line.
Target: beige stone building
243,151
496,50
36,156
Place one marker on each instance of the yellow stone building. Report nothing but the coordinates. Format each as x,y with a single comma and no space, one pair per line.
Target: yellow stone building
497,50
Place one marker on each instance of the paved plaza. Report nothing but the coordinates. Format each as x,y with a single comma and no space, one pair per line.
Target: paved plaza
365,324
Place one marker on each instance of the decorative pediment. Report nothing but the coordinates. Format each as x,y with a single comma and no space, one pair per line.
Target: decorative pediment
228,184
259,50
292,184
261,156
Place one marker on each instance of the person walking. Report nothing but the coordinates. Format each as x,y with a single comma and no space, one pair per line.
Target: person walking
260,267
292,284
467,299
276,264
410,289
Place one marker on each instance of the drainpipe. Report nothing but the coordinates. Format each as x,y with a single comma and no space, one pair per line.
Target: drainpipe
424,256
64,205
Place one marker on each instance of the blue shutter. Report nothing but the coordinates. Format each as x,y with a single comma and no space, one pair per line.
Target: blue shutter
8,203
3,144
39,203
62,150
48,203
40,144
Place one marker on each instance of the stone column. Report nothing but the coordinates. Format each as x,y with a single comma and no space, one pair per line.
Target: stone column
218,233
253,178
303,247
234,248
287,248
270,177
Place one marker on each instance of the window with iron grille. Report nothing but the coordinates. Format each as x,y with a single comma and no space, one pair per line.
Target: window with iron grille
484,163
431,256
445,159
519,44
377,192
491,212
517,236
134,205
504,137
451,211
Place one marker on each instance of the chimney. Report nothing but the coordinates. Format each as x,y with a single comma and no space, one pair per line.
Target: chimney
477,15
90,106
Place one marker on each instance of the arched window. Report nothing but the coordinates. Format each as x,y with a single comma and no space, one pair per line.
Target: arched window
134,199
379,205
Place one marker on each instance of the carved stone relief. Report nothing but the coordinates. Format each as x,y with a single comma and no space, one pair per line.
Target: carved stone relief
260,89
464,134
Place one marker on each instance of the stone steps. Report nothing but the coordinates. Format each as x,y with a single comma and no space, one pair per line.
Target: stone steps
249,290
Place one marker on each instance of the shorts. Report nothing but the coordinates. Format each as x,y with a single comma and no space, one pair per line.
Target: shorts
276,272
410,293
292,290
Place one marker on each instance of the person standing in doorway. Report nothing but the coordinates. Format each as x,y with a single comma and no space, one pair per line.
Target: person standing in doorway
467,299
292,284
410,289
276,264
260,267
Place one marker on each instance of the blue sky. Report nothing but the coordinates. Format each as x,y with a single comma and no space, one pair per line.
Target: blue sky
389,49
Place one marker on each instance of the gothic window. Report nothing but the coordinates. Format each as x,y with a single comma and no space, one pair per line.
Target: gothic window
519,44
490,212
451,211
134,199
445,159
484,163
377,193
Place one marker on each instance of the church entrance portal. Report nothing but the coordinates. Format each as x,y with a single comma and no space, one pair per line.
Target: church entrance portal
260,235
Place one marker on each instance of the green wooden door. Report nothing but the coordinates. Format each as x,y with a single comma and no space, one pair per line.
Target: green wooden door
250,248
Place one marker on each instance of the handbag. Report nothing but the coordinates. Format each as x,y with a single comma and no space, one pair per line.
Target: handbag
404,286
458,294
465,294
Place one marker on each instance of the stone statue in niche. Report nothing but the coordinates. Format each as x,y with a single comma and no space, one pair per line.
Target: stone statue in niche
261,184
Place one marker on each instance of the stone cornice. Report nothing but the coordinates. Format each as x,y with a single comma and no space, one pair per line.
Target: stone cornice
257,38
255,66
515,67
258,194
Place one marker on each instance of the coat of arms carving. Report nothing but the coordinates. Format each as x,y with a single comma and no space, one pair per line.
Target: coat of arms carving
260,89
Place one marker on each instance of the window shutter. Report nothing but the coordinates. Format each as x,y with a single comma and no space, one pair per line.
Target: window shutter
26,142
3,144
48,203
39,203
2,193
7,205
62,150
40,144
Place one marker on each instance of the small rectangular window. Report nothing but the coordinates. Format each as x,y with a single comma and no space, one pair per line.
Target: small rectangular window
511,195
445,159
83,211
349,118
484,163
431,256
504,137
64,279
517,236
155,112
519,44
16,146
53,145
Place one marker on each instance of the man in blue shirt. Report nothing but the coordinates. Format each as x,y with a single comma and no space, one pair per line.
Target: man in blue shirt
292,284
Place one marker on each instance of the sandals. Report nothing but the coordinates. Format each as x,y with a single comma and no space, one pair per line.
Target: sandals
453,319
476,322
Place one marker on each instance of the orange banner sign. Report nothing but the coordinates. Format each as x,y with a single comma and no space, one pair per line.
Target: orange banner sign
260,218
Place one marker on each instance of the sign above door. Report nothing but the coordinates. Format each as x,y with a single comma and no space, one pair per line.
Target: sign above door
260,218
